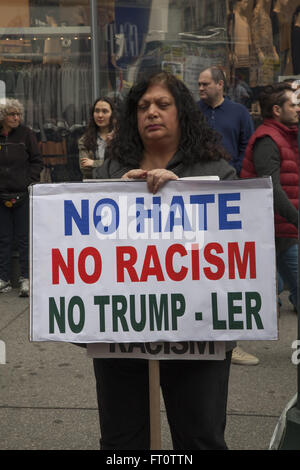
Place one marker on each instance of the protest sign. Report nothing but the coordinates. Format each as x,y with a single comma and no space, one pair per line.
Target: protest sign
111,262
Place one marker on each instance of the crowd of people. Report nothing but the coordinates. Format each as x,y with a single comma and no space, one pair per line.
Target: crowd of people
161,133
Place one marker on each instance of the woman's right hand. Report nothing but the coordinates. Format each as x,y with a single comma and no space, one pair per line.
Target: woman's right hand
155,178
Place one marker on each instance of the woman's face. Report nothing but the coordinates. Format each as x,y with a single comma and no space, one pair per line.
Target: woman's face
12,119
102,114
157,116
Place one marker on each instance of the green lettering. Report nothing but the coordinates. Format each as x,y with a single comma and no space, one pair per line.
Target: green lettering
158,314
76,302
252,311
233,310
101,300
217,324
119,308
58,315
138,326
177,311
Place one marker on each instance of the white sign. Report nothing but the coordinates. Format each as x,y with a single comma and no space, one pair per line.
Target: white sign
111,262
159,351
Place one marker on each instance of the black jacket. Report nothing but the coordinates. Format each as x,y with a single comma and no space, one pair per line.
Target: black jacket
20,160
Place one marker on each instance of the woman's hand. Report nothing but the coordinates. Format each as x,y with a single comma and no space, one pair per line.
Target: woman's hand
109,137
155,178
135,174
86,162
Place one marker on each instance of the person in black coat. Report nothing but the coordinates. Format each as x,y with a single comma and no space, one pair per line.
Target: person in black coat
20,165
161,136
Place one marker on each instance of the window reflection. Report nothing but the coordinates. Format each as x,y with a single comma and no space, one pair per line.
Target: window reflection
45,54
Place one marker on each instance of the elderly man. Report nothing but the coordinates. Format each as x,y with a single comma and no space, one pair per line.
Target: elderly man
234,123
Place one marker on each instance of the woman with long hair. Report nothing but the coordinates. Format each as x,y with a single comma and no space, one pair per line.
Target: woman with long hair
162,136
93,143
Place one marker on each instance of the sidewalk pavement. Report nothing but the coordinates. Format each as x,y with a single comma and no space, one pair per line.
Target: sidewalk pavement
48,398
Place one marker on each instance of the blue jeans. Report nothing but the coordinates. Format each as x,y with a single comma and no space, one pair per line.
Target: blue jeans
287,266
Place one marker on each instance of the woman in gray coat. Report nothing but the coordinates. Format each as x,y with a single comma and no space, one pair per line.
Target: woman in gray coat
162,136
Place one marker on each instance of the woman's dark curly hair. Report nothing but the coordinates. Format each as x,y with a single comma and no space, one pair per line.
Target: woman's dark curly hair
198,141
91,133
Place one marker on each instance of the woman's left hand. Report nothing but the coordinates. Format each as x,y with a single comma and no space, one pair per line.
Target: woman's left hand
109,137
156,178
87,162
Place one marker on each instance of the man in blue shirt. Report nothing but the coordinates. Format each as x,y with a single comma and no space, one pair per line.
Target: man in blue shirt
232,120
234,123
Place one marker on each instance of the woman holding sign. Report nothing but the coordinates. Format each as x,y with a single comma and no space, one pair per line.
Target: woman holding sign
162,136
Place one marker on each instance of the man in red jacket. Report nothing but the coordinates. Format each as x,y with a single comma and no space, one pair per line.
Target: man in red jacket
273,151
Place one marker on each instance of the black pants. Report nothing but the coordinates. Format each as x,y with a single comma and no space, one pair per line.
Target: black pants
14,228
195,395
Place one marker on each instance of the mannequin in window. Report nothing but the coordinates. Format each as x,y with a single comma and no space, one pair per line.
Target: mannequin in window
295,41
52,45
281,31
239,39
264,58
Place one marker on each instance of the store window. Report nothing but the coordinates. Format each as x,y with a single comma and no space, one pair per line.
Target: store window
45,55
48,50
255,42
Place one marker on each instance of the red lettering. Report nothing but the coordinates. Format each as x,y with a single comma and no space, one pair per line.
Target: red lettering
155,270
195,262
214,260
89,278
123,264
180,275
59,262
234,258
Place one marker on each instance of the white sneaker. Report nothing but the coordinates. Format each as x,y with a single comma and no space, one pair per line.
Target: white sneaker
5,286
241,357
24,287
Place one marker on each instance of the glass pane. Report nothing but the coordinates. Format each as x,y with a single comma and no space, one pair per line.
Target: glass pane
253,41
175,35
45,54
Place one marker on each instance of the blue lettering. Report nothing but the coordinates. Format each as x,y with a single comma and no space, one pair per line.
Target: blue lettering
224,210
142,214
82,221
202,201
183,220
114,213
